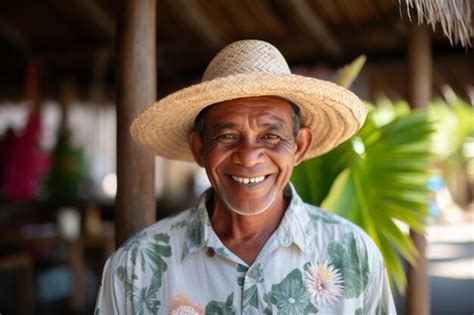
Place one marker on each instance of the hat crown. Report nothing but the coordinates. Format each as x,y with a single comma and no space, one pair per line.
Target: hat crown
244,57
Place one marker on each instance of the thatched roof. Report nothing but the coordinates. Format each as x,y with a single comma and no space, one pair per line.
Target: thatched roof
454,17
74,39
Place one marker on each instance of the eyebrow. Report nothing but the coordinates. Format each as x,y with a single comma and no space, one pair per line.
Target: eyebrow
274,126
218,126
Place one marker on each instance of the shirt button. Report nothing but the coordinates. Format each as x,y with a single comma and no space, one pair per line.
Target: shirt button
210,252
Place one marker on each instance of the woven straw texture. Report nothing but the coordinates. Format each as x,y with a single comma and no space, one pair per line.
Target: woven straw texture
244,69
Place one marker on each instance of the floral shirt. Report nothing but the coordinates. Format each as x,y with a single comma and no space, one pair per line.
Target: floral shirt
314,263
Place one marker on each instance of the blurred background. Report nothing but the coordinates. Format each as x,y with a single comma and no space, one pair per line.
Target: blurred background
60,66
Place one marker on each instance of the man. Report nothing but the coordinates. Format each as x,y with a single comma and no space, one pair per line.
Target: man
250,245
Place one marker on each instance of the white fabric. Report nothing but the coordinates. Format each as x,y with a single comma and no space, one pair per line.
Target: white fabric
179,266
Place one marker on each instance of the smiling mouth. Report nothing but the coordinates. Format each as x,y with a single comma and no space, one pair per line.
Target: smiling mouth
247,180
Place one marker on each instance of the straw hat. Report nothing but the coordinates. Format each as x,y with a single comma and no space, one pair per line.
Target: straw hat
243,69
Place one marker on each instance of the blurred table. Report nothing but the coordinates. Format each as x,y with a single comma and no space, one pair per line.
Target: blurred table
45,237
21,264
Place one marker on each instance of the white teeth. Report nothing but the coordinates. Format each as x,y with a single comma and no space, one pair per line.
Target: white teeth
244,180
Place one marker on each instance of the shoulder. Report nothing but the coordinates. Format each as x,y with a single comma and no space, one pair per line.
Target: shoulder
349,248
166,234
339,229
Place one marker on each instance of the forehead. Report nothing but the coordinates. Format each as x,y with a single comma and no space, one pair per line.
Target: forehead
248,108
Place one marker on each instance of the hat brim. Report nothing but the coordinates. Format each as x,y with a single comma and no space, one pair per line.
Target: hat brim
333,113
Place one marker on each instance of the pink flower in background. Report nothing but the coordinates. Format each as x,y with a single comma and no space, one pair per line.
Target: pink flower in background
24,162
324,283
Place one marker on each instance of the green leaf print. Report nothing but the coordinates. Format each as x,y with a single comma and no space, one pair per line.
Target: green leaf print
180,224
162,237
379,310
221,308
321,215
146,300
153,253
134,240
359,312
132,245
250,297
310,309
150,254
306,266
195,234
290,296
267,298
254,276
221,251
122,274
257,273
241,272
353,263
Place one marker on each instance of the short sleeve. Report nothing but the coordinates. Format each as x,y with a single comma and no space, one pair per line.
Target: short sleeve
111,297
378,299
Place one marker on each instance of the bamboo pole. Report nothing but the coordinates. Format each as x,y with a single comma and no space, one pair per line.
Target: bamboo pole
136,89
420,83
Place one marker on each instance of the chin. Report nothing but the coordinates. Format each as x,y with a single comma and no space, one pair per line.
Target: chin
248,207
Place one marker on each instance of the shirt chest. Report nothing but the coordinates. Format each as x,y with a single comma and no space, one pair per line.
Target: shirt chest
208,282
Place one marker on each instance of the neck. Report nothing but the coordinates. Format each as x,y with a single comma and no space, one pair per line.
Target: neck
246,235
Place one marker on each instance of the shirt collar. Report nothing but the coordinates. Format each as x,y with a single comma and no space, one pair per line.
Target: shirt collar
199,227
199,232
292,228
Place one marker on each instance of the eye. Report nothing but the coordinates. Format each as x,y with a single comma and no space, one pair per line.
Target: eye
228,137
271,137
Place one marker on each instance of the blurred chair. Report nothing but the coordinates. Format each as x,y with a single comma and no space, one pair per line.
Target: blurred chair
22,265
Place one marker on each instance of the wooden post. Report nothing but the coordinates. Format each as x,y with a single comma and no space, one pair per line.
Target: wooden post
136,90
420,83
76,263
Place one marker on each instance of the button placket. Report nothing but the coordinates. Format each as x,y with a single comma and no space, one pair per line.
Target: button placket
210,252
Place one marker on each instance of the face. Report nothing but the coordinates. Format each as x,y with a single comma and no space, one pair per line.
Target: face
249,151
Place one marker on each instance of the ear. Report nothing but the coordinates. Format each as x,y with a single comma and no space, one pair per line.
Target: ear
303,142
195,145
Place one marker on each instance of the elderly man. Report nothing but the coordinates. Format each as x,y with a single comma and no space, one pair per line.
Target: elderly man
250,245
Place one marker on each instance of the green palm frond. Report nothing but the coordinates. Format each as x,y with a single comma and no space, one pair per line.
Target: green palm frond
454,125
347,74
453,144
375,179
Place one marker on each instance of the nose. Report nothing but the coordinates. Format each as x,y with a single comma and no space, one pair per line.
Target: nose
248,154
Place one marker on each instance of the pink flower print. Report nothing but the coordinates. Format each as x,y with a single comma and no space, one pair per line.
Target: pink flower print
181,305
324,283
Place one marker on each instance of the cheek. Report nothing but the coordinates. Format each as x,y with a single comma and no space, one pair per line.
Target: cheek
283,154
214,157
283,158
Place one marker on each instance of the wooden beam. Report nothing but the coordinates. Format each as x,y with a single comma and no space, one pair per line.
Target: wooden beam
190,12
13,35
315,25
104,21
94,13
136,90
420,83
